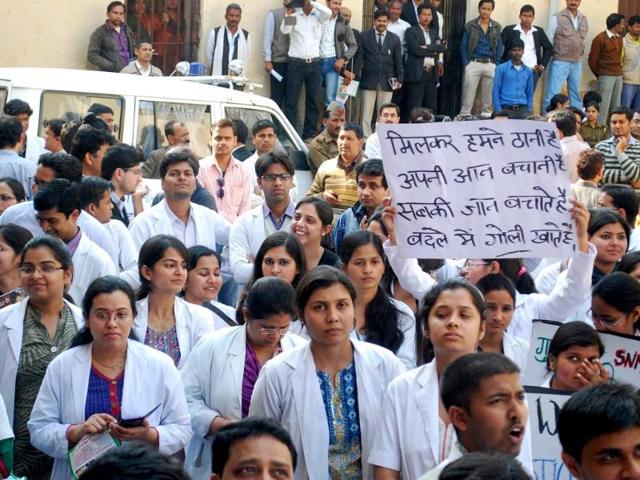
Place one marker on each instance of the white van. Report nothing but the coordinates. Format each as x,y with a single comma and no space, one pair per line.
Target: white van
143,105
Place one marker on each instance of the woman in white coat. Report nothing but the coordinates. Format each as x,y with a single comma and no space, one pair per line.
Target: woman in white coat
560,304
166,322
105,379
414,434
500,298
327,394
380,319
221,371
32,333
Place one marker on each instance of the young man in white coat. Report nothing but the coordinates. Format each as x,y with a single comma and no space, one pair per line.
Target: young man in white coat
95,199
485,402
274,172
50,166
176,215
58,206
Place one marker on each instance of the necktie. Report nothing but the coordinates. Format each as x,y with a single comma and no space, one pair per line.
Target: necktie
380,41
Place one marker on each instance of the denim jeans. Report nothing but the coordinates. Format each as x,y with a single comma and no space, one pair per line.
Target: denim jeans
559,72
329,79
631,96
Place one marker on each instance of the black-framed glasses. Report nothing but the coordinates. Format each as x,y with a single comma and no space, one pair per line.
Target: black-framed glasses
283,177
220,182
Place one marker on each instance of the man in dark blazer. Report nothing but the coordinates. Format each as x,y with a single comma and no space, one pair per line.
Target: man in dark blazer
382,68
410,14
423,67
538,50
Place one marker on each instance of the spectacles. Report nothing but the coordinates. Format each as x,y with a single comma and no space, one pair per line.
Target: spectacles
283,177
45,269
605,320
475,264
271,331
220,182
6,198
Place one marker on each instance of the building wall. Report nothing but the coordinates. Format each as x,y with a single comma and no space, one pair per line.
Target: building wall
55,33
506,12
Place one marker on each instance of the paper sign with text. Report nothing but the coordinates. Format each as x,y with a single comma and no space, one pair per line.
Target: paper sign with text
544,407
481,189
621,354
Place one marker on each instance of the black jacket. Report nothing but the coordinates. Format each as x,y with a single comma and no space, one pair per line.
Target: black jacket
417,50
378,66
544,48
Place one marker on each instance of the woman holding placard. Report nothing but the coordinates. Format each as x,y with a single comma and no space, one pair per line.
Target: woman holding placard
500,297
573,360
108,381
559,305
615,304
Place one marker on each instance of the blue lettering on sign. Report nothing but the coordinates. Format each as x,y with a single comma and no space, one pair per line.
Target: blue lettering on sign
550,469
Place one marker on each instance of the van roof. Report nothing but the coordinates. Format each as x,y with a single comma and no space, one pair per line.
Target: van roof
123,84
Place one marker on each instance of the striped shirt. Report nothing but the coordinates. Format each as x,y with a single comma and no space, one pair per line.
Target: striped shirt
38,350
333,177
620,167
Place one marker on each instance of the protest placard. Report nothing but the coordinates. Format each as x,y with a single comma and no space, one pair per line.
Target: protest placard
621,354
544,407
480,189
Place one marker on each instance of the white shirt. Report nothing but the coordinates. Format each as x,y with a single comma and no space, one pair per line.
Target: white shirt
186,233
428,61
372,148
5,426
529,58
327,41
399,28
305,34
231,39
571,148
144,72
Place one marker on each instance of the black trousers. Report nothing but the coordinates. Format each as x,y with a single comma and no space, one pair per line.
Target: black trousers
279,89
301,73
422,94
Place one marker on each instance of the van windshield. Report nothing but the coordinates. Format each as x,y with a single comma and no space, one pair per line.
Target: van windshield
154,116
72,106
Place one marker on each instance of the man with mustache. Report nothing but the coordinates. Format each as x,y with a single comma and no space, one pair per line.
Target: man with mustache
485,403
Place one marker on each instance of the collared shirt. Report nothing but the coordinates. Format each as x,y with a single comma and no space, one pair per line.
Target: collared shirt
122,205
327,41
512,86
304,35
72,245
529,58
231,39
122,42
399,27
273,224
144,72
428,61
186,233
610,34
232,197
553,24
483,48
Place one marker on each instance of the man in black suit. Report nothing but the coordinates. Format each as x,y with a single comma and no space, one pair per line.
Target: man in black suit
382,69
410,14
422,68
537,47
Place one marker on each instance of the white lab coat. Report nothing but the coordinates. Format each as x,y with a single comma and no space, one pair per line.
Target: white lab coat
408,438
516,350
212,378
211,228
127,265
192,323
89,262
247,234
5,426
288,391
35,148
11,330
23,214
150,378
560,305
